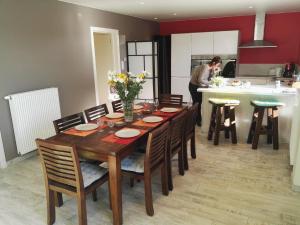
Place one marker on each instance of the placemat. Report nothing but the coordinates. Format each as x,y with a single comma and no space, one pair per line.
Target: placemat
73,131
112,138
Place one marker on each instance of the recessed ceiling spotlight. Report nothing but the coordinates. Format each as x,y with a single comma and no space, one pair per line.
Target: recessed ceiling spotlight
155,18
142,3
250,7
174,14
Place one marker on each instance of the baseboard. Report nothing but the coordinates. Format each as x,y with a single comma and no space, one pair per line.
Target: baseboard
21,158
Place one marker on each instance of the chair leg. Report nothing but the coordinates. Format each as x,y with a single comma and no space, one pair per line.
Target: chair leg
148,195
185,155
258,128
164,180
58,199
81,204
252,127
232,125
275,129
193,146
181,162
218,125
94,194
212,124
50,206
169,169
227,121
269,125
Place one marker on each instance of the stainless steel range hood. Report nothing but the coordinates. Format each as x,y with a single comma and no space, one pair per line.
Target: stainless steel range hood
259,30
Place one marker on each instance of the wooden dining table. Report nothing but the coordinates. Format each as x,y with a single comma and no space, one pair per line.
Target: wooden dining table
103,146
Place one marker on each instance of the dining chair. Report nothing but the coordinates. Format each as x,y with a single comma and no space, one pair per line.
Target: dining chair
64,174
176,145
117,105
96,112
189,134
67,122
170,99
141,166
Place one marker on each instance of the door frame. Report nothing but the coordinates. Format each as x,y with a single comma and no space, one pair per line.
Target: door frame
116,53
3,163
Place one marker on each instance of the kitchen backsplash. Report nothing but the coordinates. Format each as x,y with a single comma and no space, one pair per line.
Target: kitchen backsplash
259,69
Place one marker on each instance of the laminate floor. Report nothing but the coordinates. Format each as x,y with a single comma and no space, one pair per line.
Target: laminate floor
226,185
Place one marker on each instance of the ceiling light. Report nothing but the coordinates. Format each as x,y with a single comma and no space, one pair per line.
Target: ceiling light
174,14
250,7
142,3
155,18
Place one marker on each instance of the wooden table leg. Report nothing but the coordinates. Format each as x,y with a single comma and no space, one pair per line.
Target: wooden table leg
114,168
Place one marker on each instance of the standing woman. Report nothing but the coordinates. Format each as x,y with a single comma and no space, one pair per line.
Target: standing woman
200,78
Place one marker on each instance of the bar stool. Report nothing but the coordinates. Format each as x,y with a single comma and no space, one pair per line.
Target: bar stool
220,108
257,128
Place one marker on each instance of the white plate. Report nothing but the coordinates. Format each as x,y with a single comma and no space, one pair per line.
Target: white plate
136,107
114,115
169,109
127,133
86,127
152,119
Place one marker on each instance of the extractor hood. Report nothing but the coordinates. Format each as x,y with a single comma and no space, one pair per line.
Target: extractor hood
259,30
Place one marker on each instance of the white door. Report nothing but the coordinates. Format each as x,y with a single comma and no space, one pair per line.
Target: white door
180,85
181,55
226,42
203,43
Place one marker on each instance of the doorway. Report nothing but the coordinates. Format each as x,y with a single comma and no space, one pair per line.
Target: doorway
106,56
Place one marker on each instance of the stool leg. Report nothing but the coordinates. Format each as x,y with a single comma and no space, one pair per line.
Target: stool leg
226,121
252,127
233,125
218,124
275,128
212,124
258,127
270,125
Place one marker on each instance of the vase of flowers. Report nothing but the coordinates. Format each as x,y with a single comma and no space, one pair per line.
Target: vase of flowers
127,87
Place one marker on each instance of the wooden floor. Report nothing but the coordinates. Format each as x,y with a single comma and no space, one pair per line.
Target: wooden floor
226,185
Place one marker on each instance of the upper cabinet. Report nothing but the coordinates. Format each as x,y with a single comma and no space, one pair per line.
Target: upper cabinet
226,42
203,43
181,52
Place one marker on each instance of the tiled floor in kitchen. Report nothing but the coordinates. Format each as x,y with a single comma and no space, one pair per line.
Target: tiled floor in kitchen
226,185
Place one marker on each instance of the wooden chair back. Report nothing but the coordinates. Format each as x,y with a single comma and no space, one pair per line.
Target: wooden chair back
191,118
67,122
177,131
169,99
157,147
96,112
117,105
60,164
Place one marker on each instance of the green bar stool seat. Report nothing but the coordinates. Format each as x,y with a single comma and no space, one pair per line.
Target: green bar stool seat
257,128
222,107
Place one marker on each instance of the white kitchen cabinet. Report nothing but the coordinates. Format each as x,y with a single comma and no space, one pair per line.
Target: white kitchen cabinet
181,55
180,85
203,43
226,42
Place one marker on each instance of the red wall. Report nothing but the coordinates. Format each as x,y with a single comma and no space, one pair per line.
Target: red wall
282,29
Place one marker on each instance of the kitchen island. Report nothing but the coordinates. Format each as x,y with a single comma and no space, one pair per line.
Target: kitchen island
244,111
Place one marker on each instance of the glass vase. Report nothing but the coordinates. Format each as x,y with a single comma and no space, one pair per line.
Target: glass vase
128,111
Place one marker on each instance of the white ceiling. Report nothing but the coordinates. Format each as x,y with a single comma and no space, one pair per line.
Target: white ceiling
167,10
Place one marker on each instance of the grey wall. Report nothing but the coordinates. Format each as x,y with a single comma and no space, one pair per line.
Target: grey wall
46,43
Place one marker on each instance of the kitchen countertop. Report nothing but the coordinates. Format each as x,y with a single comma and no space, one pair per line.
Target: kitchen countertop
253,89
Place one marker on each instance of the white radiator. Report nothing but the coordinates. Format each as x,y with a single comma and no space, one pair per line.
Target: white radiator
32,114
